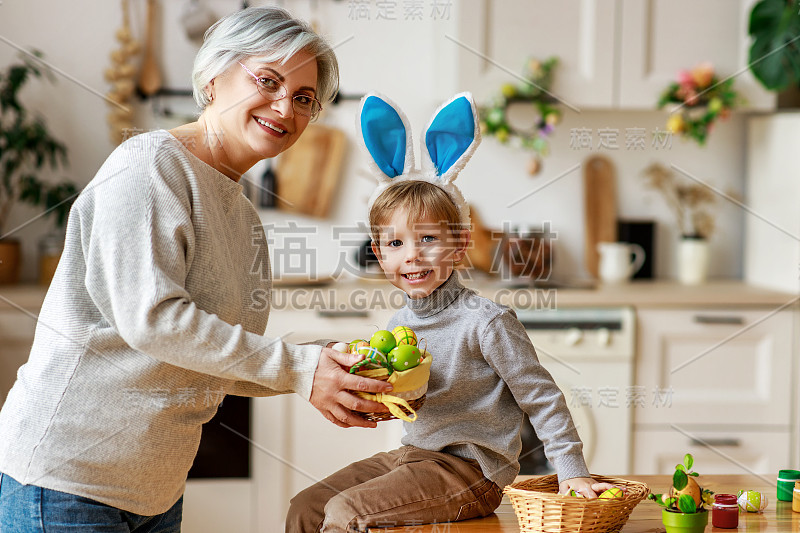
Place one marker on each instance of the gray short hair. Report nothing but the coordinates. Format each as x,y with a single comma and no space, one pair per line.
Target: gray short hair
272,35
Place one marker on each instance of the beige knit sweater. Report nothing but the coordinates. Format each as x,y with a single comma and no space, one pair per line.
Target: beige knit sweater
149,321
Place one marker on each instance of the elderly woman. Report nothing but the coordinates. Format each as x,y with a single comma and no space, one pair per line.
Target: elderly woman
151,306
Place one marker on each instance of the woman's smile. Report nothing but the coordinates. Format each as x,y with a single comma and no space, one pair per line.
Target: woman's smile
271,127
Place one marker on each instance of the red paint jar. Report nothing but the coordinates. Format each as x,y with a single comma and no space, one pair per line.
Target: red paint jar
725,511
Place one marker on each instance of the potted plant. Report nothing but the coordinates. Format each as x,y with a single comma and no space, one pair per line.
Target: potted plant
26,148
692,203
774,56
684,510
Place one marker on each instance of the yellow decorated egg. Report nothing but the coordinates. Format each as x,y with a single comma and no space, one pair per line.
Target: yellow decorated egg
404,335
614,493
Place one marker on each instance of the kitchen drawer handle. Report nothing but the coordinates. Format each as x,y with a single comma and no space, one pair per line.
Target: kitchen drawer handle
342,313
716,443
724,320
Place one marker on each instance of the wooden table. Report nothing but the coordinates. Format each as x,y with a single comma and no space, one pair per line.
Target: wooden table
646,517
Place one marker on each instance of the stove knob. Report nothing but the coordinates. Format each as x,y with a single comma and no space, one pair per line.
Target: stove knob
603,337
573,337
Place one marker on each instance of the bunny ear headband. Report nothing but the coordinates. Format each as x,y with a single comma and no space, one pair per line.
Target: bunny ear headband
447,143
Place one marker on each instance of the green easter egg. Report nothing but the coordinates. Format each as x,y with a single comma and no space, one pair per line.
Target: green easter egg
383,340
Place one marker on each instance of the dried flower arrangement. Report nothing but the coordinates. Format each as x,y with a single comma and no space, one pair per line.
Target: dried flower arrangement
690,202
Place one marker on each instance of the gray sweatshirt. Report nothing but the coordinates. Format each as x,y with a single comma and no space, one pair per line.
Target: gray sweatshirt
485,378
156,312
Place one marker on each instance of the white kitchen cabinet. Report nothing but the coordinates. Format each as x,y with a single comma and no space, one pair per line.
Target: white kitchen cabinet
772,224
613,53
714,452
661,37
719,379
496,38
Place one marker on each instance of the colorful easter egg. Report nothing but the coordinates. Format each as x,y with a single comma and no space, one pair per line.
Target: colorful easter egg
751,501
614,493
404,335
371,353
575,494
373,359
383,340
405,357
356,344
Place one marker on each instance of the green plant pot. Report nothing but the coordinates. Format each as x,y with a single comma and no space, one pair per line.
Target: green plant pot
684,523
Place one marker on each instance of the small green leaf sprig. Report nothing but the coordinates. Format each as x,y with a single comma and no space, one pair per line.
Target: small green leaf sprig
685,496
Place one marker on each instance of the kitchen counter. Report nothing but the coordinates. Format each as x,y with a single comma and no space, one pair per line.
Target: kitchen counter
646,516
647,294
354,293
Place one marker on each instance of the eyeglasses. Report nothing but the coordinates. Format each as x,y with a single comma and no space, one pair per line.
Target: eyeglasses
273,90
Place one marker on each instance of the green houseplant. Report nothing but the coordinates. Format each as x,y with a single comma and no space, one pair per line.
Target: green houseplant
26,149
684,510
775,49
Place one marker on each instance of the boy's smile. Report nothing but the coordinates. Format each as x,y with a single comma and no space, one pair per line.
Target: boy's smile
418,256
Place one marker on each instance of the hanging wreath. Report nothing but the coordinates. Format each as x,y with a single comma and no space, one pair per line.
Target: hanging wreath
537,109
696,100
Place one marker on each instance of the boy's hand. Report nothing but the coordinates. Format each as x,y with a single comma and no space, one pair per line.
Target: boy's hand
331,392
585,486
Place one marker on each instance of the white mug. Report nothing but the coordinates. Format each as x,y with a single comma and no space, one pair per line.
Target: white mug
616,264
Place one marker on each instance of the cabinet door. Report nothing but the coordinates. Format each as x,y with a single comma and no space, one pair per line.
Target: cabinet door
496,38
16,337
661,37
657,452
714,367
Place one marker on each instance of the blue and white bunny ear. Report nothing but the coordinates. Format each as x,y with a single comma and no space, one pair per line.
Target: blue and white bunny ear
452,136
383,129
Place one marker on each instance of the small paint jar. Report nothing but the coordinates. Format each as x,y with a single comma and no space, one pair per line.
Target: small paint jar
786,480
796,498
725,511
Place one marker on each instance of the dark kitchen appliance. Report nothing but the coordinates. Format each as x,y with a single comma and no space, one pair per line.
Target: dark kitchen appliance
641,232
225,444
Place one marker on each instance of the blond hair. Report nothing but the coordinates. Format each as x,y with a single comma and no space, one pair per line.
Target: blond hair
420,199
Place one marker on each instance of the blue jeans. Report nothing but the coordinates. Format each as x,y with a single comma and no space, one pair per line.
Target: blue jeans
32,509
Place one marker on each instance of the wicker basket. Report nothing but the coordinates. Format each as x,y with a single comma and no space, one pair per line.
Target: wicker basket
380,417
541,509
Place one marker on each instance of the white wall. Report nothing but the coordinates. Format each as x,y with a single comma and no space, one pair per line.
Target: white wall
412,62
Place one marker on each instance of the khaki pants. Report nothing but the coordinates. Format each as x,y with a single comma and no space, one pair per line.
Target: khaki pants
405,487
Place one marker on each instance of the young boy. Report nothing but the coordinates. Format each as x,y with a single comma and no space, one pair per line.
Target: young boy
485,378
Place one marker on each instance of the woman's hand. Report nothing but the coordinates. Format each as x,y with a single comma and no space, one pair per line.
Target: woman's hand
331,395
585,486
